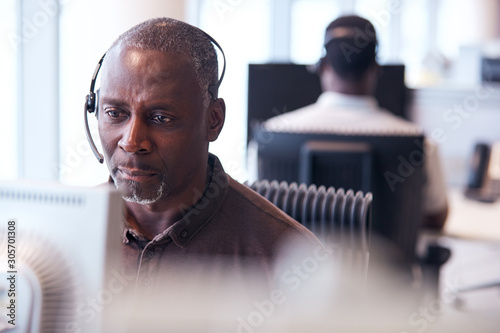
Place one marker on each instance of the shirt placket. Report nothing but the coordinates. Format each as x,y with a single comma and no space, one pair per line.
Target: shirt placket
148,265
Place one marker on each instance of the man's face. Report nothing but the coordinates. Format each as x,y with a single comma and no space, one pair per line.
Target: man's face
153,125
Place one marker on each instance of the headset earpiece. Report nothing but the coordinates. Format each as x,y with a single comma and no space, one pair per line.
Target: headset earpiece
214,91
90,102
90,106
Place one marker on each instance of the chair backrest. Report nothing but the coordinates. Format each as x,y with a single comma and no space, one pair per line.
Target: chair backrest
338,164
343,217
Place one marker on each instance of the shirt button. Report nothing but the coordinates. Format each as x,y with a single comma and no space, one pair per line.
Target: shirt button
150,254
184,233
146,282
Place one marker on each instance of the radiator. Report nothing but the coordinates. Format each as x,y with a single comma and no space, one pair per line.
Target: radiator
328,212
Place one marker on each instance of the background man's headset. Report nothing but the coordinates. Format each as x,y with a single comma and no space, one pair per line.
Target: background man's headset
91,102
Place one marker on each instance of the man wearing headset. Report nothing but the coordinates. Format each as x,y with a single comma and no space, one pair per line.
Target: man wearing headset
157,112
348,75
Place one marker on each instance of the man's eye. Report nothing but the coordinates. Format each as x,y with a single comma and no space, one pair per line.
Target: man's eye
113,113
161,119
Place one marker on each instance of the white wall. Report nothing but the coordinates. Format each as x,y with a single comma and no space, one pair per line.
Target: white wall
87,29
37,77
8,91
457,119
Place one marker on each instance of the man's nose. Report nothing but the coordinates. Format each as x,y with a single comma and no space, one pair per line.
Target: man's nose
135,138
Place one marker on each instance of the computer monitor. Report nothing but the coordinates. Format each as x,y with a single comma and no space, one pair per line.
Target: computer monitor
60,251
389,166
277,88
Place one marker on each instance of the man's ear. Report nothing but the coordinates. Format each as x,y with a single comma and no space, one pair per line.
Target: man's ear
216,116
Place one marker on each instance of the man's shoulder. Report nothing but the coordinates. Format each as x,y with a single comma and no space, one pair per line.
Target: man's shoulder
290,119
249,201
261,213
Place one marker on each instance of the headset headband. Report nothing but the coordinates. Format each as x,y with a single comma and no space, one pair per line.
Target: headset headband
91,102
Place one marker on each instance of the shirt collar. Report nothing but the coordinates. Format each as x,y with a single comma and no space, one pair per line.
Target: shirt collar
197,216
363,103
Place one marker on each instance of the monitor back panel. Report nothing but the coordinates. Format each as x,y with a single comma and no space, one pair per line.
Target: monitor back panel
68,247
395,180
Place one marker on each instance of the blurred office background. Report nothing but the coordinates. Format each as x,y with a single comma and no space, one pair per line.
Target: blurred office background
51,47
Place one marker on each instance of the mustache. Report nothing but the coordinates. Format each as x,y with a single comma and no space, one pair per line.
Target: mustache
136,165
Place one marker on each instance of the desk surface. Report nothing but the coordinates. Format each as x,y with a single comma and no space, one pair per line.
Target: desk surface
472,219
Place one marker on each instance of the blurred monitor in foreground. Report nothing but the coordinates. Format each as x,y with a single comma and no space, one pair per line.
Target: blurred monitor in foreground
59,255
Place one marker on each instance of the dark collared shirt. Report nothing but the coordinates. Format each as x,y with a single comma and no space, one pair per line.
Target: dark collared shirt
230,228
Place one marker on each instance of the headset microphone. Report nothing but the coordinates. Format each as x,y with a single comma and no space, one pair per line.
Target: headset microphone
91,101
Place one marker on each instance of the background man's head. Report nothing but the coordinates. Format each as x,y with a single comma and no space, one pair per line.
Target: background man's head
351,45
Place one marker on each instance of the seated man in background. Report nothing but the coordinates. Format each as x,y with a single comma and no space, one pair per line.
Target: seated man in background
348,75
158,111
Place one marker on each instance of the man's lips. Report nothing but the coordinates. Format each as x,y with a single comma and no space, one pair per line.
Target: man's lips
136,175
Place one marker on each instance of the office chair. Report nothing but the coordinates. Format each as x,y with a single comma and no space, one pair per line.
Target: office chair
338,215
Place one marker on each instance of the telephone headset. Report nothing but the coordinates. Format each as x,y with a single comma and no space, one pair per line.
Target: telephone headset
484,173
479,165
92,102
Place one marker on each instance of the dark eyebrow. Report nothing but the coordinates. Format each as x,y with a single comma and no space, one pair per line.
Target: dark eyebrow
113,101
120,103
